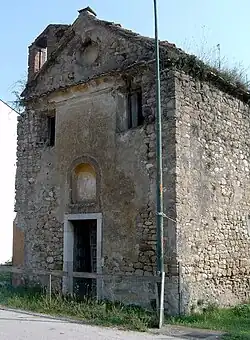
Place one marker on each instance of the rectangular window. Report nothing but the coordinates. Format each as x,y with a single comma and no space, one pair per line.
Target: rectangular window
51,130
135,116
42,57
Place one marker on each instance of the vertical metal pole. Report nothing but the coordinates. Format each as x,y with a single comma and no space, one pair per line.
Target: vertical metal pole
159,177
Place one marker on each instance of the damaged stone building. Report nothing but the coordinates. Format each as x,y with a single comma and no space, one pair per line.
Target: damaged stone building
86,169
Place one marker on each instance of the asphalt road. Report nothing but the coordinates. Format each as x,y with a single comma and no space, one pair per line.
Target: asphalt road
21,326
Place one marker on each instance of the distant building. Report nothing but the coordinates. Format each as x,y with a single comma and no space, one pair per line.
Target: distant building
86,171
8,142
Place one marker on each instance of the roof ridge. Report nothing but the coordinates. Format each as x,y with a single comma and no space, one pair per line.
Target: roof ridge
128,32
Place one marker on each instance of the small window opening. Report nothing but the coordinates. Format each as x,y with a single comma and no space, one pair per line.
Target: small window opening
41,54
42,57
51,130
135,116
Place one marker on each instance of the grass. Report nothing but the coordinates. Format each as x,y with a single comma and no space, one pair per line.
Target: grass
234,321
98,313
5,278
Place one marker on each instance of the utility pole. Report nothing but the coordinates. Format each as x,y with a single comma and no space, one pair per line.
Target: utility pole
159,177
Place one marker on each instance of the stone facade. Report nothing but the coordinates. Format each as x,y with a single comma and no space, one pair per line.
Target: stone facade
85,84
212,193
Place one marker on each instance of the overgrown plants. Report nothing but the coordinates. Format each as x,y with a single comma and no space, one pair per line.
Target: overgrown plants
234,321
89,311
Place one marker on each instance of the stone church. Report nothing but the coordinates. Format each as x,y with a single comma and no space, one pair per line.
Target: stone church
86,169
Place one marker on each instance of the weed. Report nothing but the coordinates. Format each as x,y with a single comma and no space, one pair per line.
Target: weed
234,321
213,59
242,310
92,311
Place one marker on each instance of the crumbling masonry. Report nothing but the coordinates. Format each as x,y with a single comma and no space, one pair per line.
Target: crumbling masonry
86,165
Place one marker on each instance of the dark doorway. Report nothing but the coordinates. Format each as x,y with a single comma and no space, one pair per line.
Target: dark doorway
84,260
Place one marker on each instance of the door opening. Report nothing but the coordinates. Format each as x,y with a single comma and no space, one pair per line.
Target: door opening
85,256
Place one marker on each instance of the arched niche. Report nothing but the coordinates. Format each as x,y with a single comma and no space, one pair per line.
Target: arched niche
84,183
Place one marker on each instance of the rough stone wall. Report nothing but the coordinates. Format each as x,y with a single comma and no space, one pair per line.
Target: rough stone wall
18,252
168,108
213,194
36,194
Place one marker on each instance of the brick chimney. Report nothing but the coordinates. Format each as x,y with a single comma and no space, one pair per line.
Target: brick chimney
41,49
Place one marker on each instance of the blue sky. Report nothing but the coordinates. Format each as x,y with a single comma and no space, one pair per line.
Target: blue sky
195,25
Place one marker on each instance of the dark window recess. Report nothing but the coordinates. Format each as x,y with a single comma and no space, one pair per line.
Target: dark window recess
135,116
51,130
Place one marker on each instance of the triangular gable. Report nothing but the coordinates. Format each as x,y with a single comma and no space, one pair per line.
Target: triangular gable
91,47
